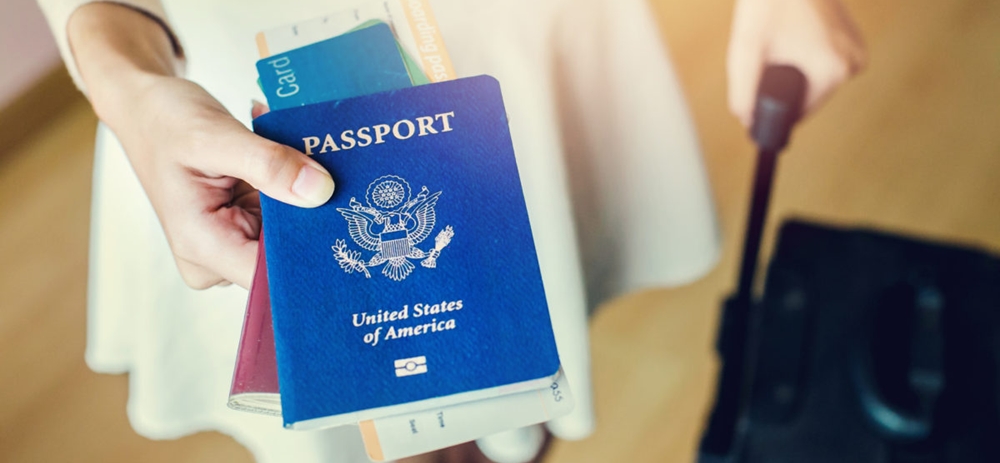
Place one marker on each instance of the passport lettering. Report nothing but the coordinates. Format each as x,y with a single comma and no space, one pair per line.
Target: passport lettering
363,319
378,134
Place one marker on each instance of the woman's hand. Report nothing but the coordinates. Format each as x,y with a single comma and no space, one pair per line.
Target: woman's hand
816,36
200,167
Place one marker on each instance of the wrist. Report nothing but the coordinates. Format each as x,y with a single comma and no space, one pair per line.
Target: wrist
120,53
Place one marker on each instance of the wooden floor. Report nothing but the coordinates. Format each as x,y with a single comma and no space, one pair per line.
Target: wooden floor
911,146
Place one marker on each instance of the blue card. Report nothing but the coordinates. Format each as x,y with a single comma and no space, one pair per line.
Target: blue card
356,63
419,279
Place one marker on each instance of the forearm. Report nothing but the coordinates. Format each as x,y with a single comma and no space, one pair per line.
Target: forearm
119,52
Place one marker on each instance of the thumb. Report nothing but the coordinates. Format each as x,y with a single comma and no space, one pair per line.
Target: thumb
276,170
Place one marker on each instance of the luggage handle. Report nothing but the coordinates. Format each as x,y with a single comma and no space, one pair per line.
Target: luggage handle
780,98
779,105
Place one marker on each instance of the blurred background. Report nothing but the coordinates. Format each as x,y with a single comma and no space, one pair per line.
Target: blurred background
912,146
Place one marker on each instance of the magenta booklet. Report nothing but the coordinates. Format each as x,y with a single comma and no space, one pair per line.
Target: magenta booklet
255,377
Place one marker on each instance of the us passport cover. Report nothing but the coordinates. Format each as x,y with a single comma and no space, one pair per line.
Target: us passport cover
418,281
255,378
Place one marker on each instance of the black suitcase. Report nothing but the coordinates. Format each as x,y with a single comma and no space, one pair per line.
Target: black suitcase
865,347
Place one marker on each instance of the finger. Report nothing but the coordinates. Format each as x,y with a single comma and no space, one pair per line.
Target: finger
745,58
819,39
196,276
235,246
238,264
258,109
844,35
823,68
822,84
217,246
246,197
233,259
234,262
275,169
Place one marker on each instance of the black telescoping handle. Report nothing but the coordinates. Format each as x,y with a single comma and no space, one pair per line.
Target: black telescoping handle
780,98
779,105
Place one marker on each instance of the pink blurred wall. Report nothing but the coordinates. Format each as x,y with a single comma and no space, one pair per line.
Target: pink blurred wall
27,49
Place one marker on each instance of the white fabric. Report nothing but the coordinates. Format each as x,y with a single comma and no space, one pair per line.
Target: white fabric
596,113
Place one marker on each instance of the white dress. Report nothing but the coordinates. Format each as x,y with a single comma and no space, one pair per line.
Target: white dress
613,178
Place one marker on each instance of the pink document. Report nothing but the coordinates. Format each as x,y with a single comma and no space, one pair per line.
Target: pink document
255,378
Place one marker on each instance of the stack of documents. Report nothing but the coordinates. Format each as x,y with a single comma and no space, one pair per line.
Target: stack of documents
410,305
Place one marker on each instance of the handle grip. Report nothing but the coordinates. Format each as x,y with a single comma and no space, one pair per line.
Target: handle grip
780,99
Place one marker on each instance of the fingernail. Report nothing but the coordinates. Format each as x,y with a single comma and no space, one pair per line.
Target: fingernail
257,109
314,186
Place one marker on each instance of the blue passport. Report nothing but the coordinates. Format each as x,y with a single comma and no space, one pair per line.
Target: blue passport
418,284
364,61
